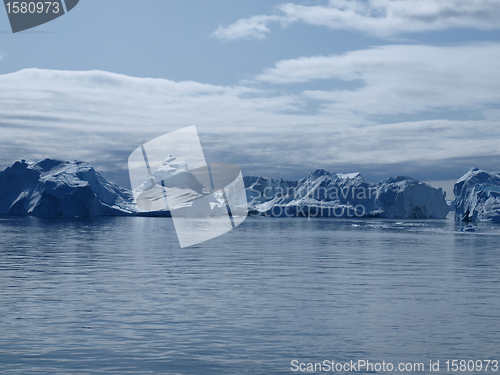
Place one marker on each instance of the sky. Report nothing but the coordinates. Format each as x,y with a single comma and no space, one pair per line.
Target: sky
380,87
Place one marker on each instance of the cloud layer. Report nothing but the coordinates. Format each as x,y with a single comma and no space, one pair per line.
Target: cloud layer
102,117
399,79
381,18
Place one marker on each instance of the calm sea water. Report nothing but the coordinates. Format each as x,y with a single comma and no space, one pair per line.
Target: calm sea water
118,295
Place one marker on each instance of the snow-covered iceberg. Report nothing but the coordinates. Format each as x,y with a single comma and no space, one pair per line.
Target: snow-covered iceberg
60,188
174,187
73,188
326,194
477,196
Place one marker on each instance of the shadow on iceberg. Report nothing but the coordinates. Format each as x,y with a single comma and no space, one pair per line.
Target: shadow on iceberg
61,188
326,194
477,196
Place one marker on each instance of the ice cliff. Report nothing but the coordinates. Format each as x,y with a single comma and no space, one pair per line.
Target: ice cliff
323,193
60,188
477,196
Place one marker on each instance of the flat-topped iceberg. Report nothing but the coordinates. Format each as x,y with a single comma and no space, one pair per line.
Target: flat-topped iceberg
326,194
477,196
60,188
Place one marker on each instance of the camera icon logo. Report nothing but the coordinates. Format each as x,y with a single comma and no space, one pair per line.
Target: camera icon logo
170,173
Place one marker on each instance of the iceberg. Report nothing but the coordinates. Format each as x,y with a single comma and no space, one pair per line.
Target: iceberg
174,187
60,188
327,194
477,196
73,188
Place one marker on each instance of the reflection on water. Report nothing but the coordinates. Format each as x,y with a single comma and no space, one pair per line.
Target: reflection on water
118,295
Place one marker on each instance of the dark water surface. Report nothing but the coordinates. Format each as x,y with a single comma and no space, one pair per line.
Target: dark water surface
118,295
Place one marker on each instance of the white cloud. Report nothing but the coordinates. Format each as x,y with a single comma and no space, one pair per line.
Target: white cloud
377,17
246,28
400,79
102,117
96,115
